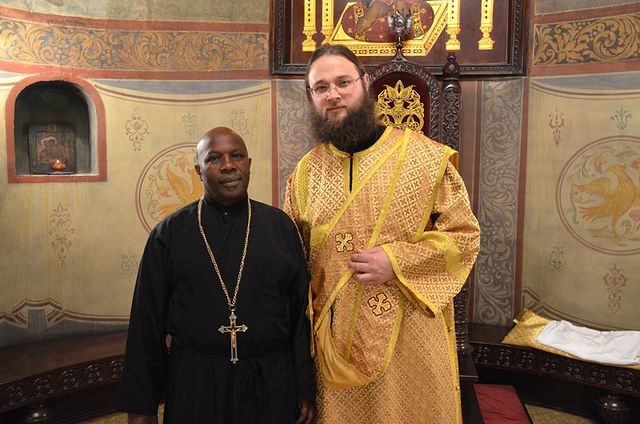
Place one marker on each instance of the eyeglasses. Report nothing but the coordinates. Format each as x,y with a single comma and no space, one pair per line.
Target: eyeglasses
341,86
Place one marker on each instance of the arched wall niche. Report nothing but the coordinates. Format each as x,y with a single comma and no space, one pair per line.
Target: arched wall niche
55,117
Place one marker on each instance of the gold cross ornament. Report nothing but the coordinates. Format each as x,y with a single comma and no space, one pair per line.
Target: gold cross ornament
233,330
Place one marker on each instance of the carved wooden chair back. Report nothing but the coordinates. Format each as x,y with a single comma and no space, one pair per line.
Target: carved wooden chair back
407,95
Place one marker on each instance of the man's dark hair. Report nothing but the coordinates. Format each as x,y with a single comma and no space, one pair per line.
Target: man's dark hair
332,50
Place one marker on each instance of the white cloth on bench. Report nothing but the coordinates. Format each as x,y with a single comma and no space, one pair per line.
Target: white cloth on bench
607,347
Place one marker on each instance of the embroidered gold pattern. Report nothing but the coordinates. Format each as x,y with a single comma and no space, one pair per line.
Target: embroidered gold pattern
365,318
343,242
379,304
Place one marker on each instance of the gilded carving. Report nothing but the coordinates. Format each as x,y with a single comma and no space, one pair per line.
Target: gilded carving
127,50
401,107
608,39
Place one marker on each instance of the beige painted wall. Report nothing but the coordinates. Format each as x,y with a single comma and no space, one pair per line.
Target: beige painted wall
90,281
151,10
72,248
582,220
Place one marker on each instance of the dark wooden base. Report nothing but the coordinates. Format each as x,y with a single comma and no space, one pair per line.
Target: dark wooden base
468,377
67,409
66,380
75,379
605,393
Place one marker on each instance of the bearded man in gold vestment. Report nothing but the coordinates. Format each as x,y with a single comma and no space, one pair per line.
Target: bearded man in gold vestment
390,239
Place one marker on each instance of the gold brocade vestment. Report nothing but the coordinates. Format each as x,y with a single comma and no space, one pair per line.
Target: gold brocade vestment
385,353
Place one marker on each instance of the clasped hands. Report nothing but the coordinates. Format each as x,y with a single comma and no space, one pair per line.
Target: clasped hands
372,266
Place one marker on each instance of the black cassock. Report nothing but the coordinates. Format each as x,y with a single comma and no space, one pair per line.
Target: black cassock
178,293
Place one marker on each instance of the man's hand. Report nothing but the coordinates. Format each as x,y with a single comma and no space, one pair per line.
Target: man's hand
307,412
372,266
142,419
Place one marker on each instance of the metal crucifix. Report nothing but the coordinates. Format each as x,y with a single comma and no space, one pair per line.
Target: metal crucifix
233,330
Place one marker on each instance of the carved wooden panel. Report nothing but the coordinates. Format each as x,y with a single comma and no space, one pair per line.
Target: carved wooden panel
37,388
492,353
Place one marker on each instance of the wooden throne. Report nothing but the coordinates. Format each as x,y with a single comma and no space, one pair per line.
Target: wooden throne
407,95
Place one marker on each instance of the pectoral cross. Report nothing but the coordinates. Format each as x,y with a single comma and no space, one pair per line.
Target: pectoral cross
233,329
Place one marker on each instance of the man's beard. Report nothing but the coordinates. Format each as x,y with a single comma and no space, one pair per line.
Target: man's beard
352,131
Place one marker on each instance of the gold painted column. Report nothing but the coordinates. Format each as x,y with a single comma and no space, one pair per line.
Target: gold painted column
327,20
308,45
486,25
453,24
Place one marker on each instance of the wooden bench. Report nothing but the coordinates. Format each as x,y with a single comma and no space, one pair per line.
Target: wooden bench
73,379
607,393
63,380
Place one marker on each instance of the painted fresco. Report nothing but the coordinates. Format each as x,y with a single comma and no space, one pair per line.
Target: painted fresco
131,50
498,207
557,6
152,10
70,251
597,40
581,236
295,137
69,257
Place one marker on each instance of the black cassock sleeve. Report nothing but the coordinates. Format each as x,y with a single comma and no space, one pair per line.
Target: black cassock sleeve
146,354
301,337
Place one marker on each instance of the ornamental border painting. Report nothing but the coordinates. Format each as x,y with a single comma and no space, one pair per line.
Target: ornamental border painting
487,36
